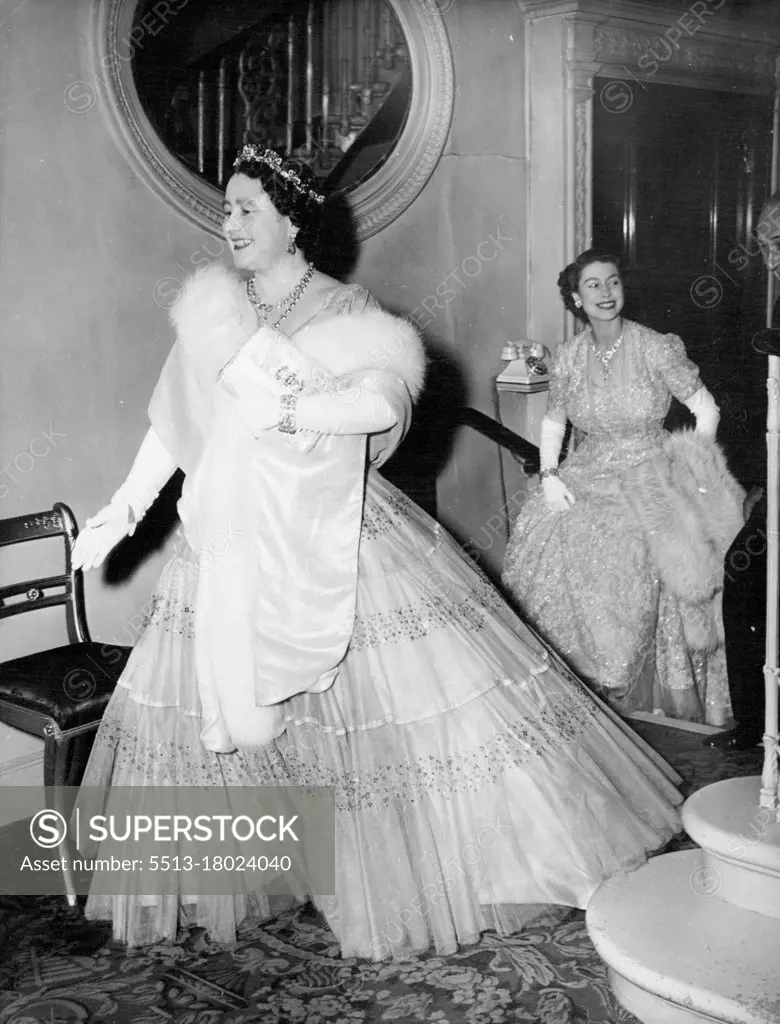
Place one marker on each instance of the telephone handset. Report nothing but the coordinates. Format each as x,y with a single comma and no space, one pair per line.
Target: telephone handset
527,367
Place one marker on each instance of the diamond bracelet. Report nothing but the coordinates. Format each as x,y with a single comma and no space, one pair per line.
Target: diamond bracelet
287,408
288,402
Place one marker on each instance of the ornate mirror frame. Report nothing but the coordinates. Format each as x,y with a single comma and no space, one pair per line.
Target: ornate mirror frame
375,203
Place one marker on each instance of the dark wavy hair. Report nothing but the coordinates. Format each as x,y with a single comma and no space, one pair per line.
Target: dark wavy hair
569,278
304,213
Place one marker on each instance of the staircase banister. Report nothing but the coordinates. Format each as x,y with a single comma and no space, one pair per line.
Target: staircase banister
523,450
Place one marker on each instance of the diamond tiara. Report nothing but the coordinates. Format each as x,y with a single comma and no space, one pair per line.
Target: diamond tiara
253,154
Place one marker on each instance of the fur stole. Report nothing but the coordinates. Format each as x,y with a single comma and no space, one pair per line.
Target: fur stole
689,508
214,319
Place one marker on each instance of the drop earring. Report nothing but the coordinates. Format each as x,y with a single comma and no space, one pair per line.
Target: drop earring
291,247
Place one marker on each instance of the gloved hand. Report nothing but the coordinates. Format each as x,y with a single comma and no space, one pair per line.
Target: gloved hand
557,494
101,534
707,413
152,467
256,392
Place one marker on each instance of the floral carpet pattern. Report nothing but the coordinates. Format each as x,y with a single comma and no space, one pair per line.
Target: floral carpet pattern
56,968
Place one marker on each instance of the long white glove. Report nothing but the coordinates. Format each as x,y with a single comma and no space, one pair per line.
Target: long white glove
556,493
152,468
355,406
707,413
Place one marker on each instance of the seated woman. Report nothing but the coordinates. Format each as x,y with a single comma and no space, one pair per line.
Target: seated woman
617,560
340,637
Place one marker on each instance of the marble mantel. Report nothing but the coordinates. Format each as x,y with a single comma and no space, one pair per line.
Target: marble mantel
633,43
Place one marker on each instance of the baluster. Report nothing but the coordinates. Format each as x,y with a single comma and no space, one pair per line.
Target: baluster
202,121
243,92
385,41
375,30
309,75
344,95
325,78
368,30
354,70
290,82
338,69
350,49
221,120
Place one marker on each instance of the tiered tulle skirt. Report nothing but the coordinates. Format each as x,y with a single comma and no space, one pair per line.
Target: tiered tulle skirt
476,777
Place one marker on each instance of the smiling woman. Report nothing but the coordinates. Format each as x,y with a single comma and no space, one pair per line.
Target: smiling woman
362,92
618,559
315,628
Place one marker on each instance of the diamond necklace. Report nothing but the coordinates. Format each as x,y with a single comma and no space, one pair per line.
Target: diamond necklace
605,358
264,309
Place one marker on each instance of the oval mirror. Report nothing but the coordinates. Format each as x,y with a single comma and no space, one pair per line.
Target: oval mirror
360,89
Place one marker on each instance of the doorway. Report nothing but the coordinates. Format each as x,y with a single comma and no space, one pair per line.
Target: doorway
679,178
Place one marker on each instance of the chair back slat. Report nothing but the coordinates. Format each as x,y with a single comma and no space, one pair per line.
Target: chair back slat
20,607
35,595
58,521
32,527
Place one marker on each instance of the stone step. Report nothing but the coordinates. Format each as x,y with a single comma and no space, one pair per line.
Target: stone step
677,954
741,843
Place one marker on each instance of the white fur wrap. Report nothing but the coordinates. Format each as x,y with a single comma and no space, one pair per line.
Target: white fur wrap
214,319
689,507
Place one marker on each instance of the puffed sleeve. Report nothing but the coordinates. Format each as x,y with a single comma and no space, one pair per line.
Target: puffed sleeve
679,374
559,385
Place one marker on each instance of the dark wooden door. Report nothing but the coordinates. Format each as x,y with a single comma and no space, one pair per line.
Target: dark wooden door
679,177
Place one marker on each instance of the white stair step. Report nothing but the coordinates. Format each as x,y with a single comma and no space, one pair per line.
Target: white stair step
741,842
676,955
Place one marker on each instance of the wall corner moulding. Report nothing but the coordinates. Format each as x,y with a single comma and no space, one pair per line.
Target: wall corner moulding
375,202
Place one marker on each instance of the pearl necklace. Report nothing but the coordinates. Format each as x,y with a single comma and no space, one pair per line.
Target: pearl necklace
605,358
264,309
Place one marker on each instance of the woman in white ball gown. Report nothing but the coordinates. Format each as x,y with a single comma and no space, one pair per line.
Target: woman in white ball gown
476,778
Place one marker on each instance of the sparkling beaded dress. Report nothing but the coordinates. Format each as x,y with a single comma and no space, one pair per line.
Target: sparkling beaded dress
586,578
476,777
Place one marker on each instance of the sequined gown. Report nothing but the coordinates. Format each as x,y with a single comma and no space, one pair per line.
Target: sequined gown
585,577
476,777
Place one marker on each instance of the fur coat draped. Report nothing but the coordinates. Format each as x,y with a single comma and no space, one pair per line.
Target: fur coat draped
690,508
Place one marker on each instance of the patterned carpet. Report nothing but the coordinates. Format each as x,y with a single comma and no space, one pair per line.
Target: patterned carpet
55,968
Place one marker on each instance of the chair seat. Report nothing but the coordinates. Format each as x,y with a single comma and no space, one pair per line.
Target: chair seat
70,684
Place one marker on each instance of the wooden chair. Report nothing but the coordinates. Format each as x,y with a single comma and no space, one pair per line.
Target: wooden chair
58,694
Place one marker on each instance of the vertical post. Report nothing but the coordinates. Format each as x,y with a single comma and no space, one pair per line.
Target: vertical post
354,32
344,95
221,120
290,84
770,777
309,75
325,79
202,121
629,213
